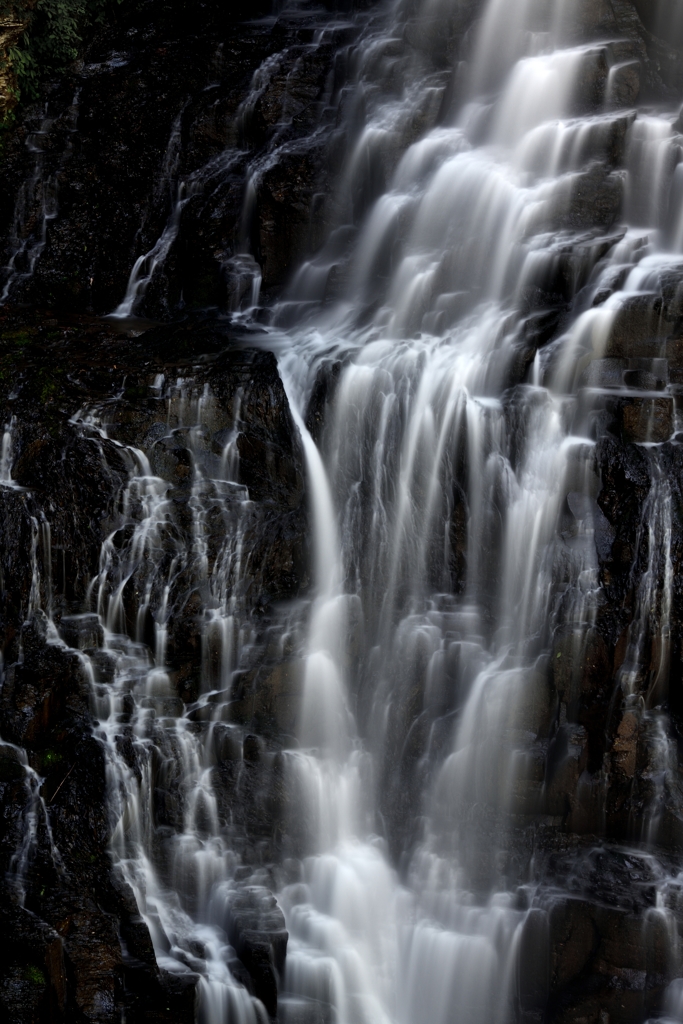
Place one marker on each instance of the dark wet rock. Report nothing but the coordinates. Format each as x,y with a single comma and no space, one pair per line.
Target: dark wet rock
534,961
647,419
620,733
599,963
268,699
322,397
170,107
634,417
622,879
457,540
592,81
11,764
287,223
625,480
674,357
661,16
71,475
566,760
643,379
575,942
595,199
38,695
596,412
536,330
143,95
637,328
184,646
602,952
565,269
660,28
587,18
65,960
624,83
81,631
260,798
34,982
256,928
603,373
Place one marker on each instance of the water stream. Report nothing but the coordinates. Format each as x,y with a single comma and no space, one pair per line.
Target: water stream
450,452
37,201
453,500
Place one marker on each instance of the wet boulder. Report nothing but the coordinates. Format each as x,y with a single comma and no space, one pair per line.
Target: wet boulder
637,329
256,928
268,699
607,950
624,83
644,379
647,419
46,692
604,373
81,631
595,199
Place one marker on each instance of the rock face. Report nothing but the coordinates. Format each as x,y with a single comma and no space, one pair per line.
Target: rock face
255,926
166,115
199,147
74,946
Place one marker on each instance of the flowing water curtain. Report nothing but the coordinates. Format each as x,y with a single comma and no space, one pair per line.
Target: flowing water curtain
409,409
454,533
169,775
459,227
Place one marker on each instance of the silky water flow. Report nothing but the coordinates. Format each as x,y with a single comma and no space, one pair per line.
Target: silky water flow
454,531
446,483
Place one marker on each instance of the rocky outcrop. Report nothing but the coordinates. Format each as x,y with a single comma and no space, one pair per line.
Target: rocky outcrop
255,926
216,151
74,946
166,115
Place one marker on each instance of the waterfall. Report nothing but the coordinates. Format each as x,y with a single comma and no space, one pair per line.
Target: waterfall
37,201
403,826
453,500
455,449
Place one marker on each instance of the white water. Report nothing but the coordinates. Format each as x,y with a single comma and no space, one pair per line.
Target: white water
176,192
452,450
37,203
6,457
419,424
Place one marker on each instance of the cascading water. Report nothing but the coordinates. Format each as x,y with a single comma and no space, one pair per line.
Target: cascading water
469,321
446,480
453,450
37,200
144,267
